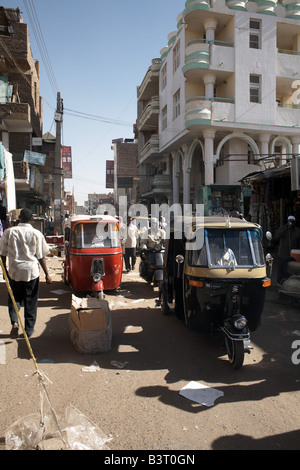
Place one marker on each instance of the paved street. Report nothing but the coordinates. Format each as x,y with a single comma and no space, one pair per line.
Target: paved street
138,406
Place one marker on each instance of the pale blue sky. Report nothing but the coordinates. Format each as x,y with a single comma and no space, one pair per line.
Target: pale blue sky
99,52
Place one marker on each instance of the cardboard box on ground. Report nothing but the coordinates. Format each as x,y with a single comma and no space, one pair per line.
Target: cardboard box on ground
90,325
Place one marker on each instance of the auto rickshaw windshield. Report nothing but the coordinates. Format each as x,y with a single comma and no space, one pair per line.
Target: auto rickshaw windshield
229,247
95,235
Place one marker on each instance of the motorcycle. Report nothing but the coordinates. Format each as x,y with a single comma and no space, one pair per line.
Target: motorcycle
151,265
215,279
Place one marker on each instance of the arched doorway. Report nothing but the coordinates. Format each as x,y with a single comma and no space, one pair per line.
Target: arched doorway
197,171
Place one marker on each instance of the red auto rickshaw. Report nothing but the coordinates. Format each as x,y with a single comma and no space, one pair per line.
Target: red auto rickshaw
93,254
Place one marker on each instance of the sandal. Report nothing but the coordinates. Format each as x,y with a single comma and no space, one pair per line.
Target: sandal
14,331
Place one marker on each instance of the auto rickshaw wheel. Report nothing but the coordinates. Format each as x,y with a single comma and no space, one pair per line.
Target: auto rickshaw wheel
235,351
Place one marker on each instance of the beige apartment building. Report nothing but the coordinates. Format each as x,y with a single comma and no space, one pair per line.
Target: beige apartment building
222,101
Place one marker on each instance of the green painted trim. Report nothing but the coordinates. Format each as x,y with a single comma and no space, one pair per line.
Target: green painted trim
198,122
293,6
195,111
236,7
192,8
197,55
294,17
263,126
194,66
266,3
266,12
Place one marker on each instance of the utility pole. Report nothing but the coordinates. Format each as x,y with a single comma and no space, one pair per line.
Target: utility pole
58,171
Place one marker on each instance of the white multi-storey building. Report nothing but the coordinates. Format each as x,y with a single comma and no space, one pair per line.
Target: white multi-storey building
222,100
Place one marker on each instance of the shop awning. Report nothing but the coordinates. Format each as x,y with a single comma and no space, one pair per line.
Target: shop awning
266,174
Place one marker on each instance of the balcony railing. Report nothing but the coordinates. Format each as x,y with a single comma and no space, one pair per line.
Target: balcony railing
156,184
289,105
192,5
151,148
150,85
211,43
200,53
288,115
288,51
149,117
214,99
202,110
288,64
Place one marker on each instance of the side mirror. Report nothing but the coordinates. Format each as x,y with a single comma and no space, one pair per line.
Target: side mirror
179,259
269,263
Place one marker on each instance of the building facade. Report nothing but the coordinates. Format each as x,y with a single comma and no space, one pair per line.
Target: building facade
21,113
221,102
126,173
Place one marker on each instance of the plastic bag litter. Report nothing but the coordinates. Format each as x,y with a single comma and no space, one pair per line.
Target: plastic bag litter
78,433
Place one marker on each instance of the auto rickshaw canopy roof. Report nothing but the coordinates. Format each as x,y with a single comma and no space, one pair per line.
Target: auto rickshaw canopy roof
214,222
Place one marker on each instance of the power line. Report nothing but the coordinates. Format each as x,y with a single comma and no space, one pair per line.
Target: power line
33,18
94,117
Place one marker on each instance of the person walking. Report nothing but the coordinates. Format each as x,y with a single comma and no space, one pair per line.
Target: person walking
25,248
130,245
288,237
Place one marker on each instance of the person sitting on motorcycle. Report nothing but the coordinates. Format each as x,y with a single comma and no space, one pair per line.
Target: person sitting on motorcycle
156,235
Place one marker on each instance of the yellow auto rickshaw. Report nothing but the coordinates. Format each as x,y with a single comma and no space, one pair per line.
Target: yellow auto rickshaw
215,278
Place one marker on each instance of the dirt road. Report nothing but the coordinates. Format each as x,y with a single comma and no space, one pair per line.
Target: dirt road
138,406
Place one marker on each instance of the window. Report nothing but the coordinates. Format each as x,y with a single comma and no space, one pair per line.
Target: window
95,235
255,34
255,91
235,248
176,104
164,118
176,56
164,77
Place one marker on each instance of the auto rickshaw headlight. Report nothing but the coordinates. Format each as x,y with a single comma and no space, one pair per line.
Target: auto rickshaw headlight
97,277
240,323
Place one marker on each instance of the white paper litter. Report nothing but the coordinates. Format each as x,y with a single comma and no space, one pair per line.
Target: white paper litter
59,292
92,368
201,393
296,332
137,301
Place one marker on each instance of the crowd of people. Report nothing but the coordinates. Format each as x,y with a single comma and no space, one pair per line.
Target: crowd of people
132,237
